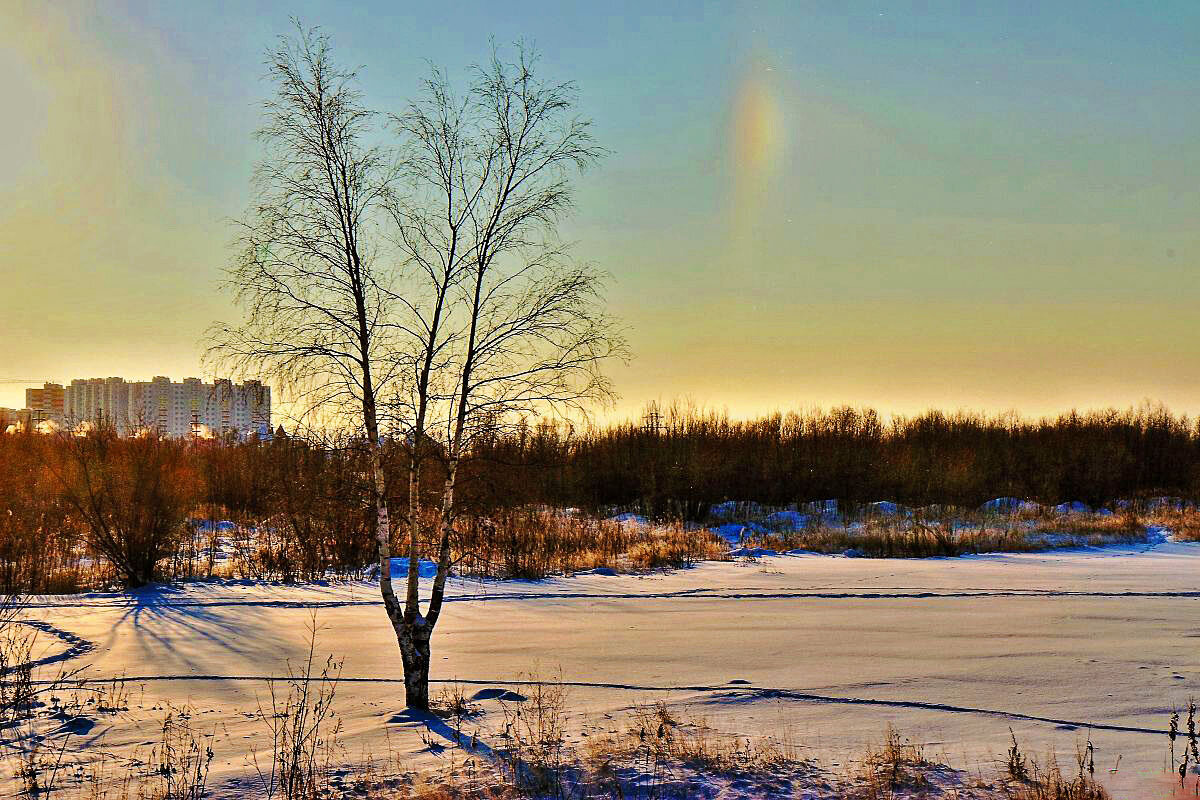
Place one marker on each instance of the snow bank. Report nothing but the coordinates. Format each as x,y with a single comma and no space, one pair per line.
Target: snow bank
752,552
1168,504
213,526
788,521
825,508
1008,505
735,508
425,568
736,532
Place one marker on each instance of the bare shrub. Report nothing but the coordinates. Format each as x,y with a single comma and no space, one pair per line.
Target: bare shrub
129,497
535,753
179,762
305,731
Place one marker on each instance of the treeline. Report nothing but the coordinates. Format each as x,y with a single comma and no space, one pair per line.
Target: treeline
98,509
77,511
82,511
678,462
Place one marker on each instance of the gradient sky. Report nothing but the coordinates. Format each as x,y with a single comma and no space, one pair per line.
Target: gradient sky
898,205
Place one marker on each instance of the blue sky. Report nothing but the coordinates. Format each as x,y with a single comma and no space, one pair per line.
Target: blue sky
984,205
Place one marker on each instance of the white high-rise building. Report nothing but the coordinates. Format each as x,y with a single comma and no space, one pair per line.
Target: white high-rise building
95,399
190,408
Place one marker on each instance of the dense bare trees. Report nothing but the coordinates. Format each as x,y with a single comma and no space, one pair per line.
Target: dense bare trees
678,462
302,508
131,496
310,278
33,535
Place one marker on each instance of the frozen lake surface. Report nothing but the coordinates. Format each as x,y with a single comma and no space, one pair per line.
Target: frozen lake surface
951,652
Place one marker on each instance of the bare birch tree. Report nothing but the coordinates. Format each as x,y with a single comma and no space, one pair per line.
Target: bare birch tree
487,320
313,286
508,326
432,223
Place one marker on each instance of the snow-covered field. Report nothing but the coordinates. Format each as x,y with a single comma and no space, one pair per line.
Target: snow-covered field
951,652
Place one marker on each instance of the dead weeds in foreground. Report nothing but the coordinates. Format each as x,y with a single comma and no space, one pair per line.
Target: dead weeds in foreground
1029,780
530,751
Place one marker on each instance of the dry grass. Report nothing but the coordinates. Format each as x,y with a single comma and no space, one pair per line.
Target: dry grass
446,791
654,752
533,543
535,756
894,766
959,533
305,731
673,547
1126,523
1183,524
1050,783
1028,780
657,736
174,768
896,539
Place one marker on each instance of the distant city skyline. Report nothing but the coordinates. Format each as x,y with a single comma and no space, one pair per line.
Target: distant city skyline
177,409
804,204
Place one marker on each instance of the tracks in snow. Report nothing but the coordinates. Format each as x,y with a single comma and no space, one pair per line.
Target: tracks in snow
77,646
683,594
726,693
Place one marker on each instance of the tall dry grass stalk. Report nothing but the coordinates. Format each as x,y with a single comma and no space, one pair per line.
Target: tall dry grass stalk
305,731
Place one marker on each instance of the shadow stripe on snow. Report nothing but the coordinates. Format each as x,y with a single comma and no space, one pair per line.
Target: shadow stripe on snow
688,594
720,692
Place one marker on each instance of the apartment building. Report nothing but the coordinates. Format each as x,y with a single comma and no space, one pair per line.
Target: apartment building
176,409
95,399
46,403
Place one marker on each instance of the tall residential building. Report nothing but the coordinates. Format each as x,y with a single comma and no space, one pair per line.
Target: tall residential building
190,408
45,403
96,399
